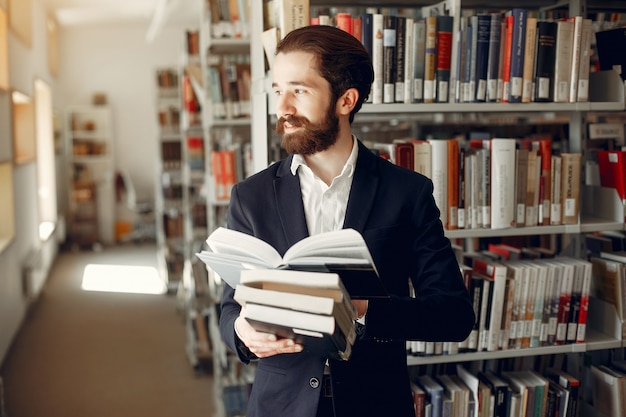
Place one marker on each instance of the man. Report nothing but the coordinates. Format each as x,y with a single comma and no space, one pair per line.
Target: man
331,180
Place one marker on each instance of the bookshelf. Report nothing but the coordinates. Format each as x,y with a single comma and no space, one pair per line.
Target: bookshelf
90,150
169,192
601,209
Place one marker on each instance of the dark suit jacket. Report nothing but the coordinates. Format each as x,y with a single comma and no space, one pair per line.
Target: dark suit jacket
395,211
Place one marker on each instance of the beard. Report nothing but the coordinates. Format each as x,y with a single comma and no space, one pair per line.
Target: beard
313,137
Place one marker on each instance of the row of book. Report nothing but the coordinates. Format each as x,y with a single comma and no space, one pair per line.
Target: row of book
494,183
522,304
229,165
229,18
229,83
514,393
439,53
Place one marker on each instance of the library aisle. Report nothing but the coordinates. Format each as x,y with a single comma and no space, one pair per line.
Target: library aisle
100,354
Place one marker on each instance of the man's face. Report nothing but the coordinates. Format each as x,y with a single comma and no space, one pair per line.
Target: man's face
307,118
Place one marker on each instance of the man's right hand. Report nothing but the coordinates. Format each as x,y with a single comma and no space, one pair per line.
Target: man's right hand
263,344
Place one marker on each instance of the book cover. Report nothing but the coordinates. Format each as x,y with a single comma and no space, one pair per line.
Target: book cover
419,42
564,302
430,60
498,387
483,43
509,22
577,34
545,55
291,14
529,59
518,45
378,57
434,393
570,187
563,60
582,91
612,166
409,61
342,251
439,153
453,185
314,331
494,56
521,177
443,57
390,25
400,58
503,183
497,275
570,383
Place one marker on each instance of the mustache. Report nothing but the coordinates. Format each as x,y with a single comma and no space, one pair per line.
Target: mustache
295,121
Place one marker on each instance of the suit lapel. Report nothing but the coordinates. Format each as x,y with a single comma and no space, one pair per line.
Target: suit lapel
363,191
289,202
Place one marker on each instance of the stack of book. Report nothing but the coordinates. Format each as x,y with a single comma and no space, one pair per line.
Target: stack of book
313,308
307,293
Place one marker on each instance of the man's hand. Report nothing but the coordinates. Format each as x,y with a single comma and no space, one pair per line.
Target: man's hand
263,344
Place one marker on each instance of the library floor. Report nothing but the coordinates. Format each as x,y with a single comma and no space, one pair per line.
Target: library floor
101,354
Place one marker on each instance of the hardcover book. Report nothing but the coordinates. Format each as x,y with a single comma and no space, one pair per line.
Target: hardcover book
342,251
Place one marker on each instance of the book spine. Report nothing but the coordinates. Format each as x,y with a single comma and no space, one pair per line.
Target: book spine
506,63
409,62
570,187
563,60
544,61
389,58
529,59
482,56
377,58
430,60
419,39
494,56
584,303
502,183
576,57
582,91
443,57
453,185
400,59
517,54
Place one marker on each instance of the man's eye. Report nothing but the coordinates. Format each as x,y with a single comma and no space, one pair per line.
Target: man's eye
277,93
299,91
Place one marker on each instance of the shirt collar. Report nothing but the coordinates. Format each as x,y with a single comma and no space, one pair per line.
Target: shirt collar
348,168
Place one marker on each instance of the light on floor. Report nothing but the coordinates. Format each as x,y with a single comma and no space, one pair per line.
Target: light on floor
123,278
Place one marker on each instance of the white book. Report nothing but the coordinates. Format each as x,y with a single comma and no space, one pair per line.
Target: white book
408,61
419,41
582,91
563,60
538,308
439,175
576,57
231,252
503,198
497,275
377,58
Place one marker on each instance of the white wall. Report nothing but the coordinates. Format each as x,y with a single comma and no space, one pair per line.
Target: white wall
25,65
115,60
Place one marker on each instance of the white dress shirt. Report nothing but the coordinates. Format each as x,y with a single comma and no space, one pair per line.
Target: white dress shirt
325,206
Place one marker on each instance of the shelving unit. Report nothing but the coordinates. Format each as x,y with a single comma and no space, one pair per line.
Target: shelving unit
601,209
169,192
91,175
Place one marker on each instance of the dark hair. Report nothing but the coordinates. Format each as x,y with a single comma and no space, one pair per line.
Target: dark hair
342,59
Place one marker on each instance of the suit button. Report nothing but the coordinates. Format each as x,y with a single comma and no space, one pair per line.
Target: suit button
314,382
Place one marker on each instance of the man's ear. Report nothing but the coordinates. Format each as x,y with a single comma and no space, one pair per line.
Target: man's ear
347,101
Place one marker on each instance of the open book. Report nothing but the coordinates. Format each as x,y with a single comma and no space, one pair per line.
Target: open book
343,252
